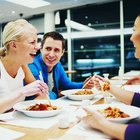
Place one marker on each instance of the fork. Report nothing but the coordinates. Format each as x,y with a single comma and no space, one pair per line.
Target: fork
47,96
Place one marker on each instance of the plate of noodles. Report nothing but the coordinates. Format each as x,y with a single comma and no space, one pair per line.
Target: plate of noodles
38,108
79,94
119,113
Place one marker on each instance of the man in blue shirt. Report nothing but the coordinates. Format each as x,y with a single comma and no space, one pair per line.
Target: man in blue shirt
47,65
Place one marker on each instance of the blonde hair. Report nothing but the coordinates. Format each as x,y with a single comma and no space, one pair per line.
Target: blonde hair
13,31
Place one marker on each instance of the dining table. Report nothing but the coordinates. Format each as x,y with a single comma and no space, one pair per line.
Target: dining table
28,128
18,126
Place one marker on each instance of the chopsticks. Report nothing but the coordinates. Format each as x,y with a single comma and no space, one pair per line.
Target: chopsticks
87,82
122,86
47,96
101,83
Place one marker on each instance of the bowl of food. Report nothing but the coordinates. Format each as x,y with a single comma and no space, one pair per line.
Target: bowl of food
79,94
119,113
38,108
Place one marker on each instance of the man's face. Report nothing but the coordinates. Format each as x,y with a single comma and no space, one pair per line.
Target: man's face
52,52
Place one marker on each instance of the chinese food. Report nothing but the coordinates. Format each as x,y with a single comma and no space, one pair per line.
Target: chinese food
41,107
114,112
83,92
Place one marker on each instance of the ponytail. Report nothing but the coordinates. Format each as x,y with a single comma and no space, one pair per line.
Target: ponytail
2,51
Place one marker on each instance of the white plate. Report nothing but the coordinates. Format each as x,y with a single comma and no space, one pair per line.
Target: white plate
133,112
69,94
21,106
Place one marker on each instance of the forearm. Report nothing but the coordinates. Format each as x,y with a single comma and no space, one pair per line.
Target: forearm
123,95
114,130
29,78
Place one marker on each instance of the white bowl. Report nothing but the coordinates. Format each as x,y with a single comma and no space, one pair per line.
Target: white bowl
132,111
70,94
21,106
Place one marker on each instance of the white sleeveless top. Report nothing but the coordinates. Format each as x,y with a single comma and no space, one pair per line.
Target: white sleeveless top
9,84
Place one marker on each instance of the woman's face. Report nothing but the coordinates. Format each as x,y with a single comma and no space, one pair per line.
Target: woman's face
26,47
52,52
135,38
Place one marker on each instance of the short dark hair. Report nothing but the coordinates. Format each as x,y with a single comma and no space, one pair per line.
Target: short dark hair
55,36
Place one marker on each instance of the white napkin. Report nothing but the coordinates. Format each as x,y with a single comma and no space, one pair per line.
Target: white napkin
85,131
7,134
19,119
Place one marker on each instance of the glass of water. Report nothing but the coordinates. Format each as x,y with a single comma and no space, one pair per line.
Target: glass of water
107,97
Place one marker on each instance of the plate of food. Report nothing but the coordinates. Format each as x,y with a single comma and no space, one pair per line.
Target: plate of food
119,113
79,94
38,108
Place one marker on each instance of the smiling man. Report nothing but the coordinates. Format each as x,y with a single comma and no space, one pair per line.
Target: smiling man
48,66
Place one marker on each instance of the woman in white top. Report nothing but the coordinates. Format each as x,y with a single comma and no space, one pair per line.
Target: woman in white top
19,47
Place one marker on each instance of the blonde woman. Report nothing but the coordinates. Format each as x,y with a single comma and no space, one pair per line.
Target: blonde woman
19,47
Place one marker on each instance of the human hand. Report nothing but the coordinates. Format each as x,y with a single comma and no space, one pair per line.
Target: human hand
36,87
88,83
94,119
133,81
97,81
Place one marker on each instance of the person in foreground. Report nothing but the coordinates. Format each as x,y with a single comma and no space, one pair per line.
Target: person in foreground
119,131
47,65
19,47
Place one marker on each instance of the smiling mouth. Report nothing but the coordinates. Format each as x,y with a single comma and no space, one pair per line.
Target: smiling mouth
50,60
32,54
